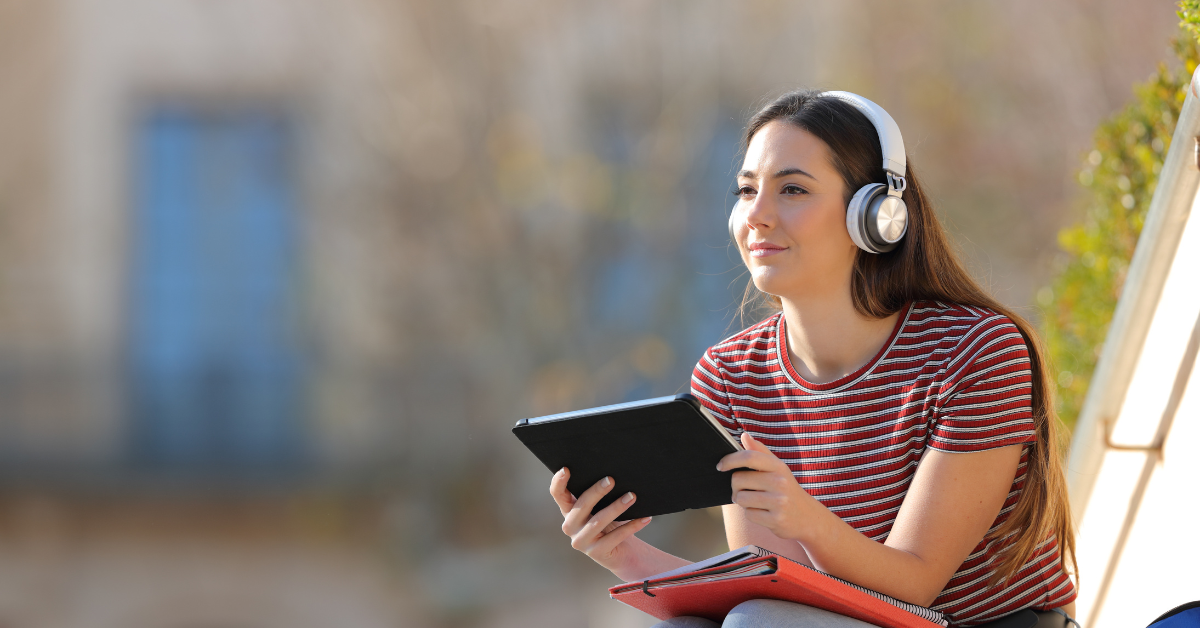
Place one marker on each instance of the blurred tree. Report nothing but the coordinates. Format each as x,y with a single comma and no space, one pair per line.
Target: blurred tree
1120,175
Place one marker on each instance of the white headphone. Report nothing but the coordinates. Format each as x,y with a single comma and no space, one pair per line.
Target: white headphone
876,217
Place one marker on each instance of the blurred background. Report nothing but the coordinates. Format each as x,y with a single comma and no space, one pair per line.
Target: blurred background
278,276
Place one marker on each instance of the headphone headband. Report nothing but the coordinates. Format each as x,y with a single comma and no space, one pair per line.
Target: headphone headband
889,134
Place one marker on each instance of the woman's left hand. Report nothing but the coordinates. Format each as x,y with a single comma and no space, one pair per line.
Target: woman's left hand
768,491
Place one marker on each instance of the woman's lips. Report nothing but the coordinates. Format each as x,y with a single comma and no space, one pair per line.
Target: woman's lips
765,249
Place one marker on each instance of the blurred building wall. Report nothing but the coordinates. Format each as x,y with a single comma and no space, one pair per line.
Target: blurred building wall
496,209
94,529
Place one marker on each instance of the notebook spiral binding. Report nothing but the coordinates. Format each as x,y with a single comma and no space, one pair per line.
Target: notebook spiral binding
920,611
923,612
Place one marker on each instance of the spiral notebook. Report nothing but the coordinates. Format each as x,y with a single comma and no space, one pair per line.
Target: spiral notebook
711,588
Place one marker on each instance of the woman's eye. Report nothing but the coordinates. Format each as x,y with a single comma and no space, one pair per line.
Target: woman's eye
744,191
794,189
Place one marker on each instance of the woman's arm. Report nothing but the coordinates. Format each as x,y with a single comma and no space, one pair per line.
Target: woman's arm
740,531
607,541
952,501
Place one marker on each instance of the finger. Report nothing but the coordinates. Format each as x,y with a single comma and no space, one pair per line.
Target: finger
607,515
756,500
620,535
756,460
757,516
581,511
753,481
752,444
613,526
586,537
558,490
562,496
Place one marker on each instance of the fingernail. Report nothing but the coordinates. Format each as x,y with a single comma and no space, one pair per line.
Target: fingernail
646,520
626,498
561,472
605,482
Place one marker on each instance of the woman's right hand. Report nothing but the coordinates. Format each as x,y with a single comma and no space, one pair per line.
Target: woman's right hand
601,537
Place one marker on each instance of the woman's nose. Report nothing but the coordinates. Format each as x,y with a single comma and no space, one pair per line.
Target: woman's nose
758,212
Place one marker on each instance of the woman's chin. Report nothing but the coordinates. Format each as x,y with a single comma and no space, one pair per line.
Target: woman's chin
765,283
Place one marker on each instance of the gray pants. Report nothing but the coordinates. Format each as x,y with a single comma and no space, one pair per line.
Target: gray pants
770,614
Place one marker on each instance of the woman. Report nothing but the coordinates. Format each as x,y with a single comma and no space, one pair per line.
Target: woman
896,420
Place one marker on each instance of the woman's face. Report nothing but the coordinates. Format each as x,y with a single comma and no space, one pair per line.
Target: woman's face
790,218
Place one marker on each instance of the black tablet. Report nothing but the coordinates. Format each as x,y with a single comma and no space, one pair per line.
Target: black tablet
664,450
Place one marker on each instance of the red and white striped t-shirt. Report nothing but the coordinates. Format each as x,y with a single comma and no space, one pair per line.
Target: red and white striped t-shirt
950,377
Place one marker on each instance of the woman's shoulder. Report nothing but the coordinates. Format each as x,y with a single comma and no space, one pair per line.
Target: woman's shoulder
956,321
965,334
759,337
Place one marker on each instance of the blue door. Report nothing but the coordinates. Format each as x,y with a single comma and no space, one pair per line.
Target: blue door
216,374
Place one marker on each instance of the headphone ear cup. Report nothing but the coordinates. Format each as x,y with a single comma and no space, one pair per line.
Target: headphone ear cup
856,215
876,221
732,215
886,222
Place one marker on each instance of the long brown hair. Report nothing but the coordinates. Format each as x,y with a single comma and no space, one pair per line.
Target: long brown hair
925,268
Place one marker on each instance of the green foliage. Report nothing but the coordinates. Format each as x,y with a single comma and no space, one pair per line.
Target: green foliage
1119,175
1189,15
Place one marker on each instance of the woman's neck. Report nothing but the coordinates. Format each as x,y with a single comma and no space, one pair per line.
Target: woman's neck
828,339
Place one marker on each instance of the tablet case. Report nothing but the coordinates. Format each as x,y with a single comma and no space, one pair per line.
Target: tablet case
664,450
791,582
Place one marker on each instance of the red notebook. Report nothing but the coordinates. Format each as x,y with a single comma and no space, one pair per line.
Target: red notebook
711,588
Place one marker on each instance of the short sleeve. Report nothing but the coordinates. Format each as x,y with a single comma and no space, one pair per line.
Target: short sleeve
987,397
709,387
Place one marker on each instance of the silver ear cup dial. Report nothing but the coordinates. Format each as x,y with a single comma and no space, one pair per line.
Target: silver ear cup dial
887,220
857,216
